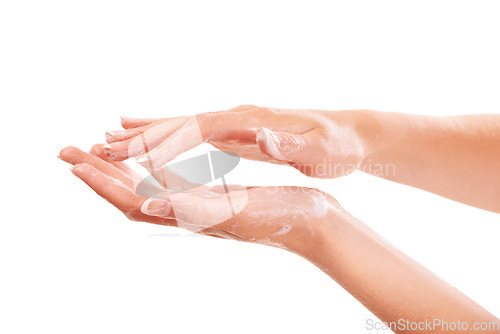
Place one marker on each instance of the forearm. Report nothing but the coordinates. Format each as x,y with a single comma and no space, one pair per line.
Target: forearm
386,281
455,157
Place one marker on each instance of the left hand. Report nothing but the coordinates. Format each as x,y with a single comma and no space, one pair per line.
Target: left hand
285,217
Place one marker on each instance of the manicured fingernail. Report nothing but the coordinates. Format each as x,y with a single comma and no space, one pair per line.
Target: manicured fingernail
109,137
77,167
107,150
157,207
116,135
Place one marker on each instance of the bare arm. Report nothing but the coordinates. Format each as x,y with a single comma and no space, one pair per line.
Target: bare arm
393,286
307,222
456,157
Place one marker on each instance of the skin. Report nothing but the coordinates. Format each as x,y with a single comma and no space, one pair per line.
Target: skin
306,221
454,157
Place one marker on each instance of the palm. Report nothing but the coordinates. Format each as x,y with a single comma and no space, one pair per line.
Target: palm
267,215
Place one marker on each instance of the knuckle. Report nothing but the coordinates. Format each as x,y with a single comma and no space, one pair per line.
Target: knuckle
245,107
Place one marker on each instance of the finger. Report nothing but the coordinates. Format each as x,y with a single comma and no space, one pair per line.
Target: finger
157,207
289,147
98,151
143,142
141,186
183,139
74,156
130,123
216,127
120,135
113,191
166,178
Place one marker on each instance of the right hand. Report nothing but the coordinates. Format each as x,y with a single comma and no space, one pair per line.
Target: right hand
322,144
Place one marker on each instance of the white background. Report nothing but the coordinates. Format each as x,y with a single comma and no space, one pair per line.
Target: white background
71,263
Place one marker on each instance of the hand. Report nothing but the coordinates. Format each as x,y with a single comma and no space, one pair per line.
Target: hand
304,221
279,216
318,143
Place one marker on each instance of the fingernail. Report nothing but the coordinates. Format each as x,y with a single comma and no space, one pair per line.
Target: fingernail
116,135
77,167
109,137
157,207
107,150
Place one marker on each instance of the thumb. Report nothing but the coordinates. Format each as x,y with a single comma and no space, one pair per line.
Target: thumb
157,207
282,146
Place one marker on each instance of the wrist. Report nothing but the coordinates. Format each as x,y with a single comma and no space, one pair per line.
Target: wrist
376,130
369,126
317,235
365,132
